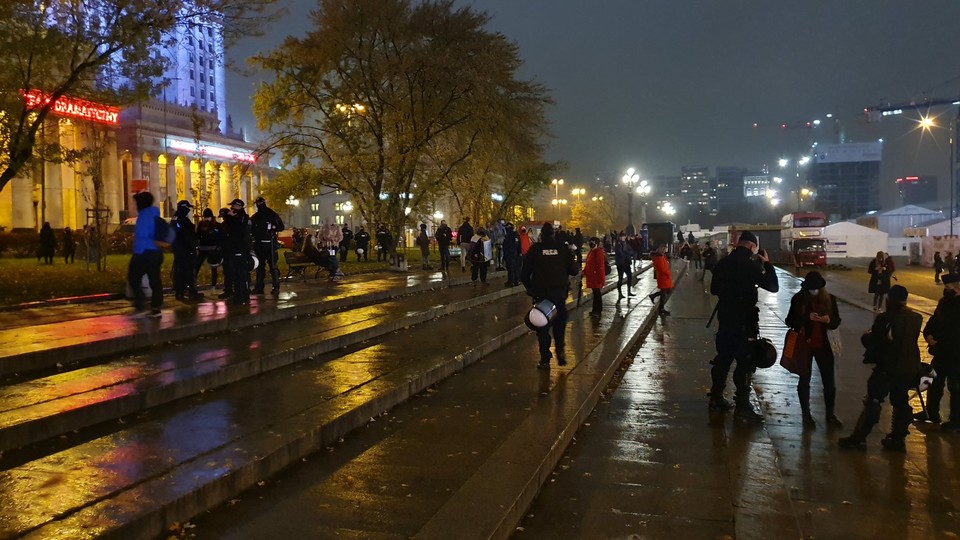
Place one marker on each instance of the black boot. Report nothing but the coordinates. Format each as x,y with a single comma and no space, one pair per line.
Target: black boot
744,409
830,399
899,428
868,418
803,393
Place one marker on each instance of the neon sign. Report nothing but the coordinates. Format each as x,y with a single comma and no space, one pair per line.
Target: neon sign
74,108
212,150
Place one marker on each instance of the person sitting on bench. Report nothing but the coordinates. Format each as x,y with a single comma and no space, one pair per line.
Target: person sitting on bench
320,257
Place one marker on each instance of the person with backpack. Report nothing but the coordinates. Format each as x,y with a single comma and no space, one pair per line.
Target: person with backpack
150,234
184,254
481,253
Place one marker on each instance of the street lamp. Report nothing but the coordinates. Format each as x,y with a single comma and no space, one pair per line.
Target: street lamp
558,203
557,182
643,190
578,192
801,162
629,180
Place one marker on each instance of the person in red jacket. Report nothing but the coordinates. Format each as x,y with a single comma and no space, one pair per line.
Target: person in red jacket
661,269
595,272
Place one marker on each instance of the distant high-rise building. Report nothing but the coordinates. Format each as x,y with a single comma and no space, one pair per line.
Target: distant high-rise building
728,187
917,190
694,193
846,178
755,185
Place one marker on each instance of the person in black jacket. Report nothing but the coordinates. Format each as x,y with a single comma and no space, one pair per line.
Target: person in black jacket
511,255
209,245
362,238
48,243
892,344
464,235
942,333
184,254
236,250
266,224
813,311
345,243
735,281
545,274
384,242
444,236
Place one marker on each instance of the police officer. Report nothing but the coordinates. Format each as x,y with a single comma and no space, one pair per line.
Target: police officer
892,345
224,259
236,251
363,243
545,274
735,282
384,241
345,243
209,245
265,224
942,333
184,254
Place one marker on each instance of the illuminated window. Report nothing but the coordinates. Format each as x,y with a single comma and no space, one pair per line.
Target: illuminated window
314,192
314,220
339,192
314,207
338,219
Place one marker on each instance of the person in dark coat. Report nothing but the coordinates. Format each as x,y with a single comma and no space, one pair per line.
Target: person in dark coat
236,250
578,241
185,254
937,267
69,245
384,243
362,238
736,278
48,243
423,242
942,333
464,235
444,236
224,214
511,255
265,224
814,311
881,270
892,345
209,245
545,274
345,243
623,258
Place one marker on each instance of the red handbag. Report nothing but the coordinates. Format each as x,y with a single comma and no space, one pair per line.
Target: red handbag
796,357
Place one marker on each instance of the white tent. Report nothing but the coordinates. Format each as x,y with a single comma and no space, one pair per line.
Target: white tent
847,239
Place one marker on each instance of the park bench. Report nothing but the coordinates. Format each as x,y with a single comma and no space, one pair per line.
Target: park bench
297,264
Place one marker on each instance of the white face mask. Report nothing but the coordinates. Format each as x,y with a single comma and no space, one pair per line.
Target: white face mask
814,292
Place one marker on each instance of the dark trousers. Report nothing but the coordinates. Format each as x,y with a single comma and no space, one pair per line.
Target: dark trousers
364,255
147,263
879,386
826,366
513,269
343,253
239,277
624,271
382,253
266,251
732,345
663,295
184,274
558,327
214,257
444,257
597,300
935,394
479,269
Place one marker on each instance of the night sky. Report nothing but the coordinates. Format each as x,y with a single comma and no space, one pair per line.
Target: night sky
660,84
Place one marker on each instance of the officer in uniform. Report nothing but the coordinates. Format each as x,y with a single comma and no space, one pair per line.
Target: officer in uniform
345,243
545,274
735,281
236,251
265,224
942,333
362,239
185,254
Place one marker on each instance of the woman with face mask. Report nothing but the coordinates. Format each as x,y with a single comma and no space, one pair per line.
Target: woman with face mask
813,311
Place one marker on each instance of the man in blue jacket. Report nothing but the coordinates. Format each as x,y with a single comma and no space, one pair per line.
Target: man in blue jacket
147,256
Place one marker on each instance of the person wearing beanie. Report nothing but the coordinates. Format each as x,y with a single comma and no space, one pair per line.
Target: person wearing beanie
185,254
734,283
545,274
265,224
891,344
236,253
209,245
814,311
942,333
423,242
147,256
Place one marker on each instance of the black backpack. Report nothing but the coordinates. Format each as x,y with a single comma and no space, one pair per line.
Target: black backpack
476,251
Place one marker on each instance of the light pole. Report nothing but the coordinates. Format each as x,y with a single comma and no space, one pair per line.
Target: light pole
578,192
629,180
347,208
557,182
802,162
643,190
558,203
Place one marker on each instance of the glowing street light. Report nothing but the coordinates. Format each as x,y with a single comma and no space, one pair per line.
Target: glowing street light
927,122
629,180
557,182
578,192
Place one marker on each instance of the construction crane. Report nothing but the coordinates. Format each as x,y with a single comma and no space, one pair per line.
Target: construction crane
876,114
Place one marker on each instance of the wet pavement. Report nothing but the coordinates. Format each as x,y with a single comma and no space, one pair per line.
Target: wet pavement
651,462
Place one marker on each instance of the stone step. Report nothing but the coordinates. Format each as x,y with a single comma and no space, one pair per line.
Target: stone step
64,344
186,457
40,409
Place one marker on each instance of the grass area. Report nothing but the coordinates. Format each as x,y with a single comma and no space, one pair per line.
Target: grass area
26,280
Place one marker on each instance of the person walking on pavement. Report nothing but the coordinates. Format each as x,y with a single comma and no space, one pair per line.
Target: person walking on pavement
48,243
147,256
880,269
237,245
362,238
464,234
709,260
266,224
595,273
892,345
511,255
345,242
69,246
329,238
661,271
185,254
937,267
942,333
735,281
423,242
209,246
384,243
813,311
545,274
444,236
481,253
623,257
497,233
